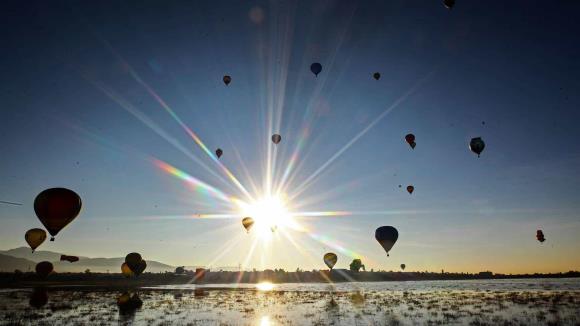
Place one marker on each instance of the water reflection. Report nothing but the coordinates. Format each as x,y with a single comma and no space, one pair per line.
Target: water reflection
265,286
38,298
128,305
265,321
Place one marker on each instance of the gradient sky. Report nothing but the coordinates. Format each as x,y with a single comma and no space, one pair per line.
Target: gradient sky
93,93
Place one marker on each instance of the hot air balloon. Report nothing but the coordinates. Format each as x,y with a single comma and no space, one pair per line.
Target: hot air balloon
410,138
126,271
476,145
140,268
56,208
316,68
276,138
227,80
377,76
410,189
70,259
449,3
219,152
133,260
387,236
44,268
38,298
540,236
403,266
330,259
248,222
35,237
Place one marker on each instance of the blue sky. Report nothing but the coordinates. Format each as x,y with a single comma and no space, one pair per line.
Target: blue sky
86,91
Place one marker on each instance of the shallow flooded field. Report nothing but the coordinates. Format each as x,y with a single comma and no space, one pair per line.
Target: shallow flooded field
506,302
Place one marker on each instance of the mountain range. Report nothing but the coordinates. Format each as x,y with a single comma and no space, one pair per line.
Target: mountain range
25,260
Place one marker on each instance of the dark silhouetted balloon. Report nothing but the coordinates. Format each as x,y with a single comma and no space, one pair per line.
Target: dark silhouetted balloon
248,222
133,260
276,138
387,236
330,259
56,208
35,237
38,298
449,3
377,76
70,259
540,236
219,152
126,271
44,268
410,189
140,268
316,68
227,80
476,145
410,139
403,266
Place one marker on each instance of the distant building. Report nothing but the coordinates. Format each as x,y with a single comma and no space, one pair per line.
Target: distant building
485,274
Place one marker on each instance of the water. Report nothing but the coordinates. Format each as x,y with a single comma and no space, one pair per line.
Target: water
481,302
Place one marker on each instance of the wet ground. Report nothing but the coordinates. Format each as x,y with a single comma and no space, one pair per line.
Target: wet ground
408,303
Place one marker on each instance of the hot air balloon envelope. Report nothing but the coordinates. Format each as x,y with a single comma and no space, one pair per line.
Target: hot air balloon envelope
330,259
276,138
247,222
410,189
44,268
316,68
70,259
56,208
35,237
387,236
227,80
477,145
219,152
376,75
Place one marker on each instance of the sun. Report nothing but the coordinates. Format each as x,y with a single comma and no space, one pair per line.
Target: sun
270,214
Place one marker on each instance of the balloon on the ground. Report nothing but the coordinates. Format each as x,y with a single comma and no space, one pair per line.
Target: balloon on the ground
248,222
219,152
56,208
377,76
477,145
276,138
386,236
140,268
316,68
44,268
330,259
410,189
126,271
227,80
133,260
35,237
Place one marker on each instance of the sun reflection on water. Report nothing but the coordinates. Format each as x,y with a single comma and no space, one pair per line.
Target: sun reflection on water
265,286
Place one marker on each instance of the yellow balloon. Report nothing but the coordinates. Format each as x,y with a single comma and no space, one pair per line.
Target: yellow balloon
35,237
127,272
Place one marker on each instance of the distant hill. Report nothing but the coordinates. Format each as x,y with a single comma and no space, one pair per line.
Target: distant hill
22,258
9,264
37,256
